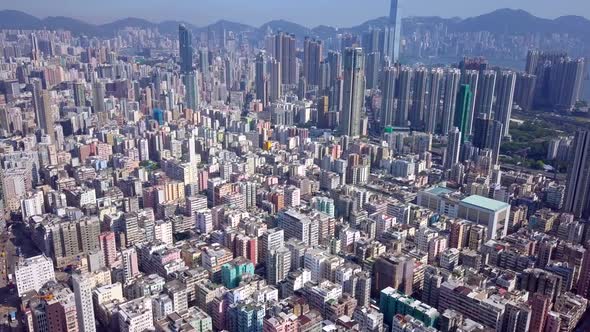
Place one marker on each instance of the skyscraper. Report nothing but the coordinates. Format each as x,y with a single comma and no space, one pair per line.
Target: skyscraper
450,92
372,70
566,78
577,199
386,43
286,53
453,147
532,60
354,92
312,58
404,99
471,77
274,83
485,93
98,92
46,115
395,22
431,110
462,110
204,61
335,61
504,98
191,84
487,134
419,98
79,94
186,49
36,87
388,96
261,78
524,91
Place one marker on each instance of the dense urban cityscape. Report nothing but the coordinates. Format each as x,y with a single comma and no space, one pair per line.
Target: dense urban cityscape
405,175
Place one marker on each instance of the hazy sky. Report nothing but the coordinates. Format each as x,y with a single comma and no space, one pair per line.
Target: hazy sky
307,12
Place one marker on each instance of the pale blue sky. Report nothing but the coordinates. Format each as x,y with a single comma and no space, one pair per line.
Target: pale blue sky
307,12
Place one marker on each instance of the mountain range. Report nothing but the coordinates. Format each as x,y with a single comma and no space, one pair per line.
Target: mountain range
499,21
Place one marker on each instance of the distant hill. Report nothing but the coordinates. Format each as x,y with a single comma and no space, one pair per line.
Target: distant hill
499,21
14,19
286,26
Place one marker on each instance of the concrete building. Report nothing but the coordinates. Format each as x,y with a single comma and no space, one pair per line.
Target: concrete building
32,273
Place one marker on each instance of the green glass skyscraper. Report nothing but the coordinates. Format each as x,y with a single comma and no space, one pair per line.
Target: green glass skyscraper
462,110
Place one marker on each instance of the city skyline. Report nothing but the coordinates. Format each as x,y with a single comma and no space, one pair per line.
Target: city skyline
300,12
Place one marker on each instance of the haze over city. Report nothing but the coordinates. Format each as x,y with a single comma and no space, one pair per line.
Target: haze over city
294,166
310,13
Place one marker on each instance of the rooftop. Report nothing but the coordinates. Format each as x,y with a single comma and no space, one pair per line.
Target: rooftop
439,191
485,203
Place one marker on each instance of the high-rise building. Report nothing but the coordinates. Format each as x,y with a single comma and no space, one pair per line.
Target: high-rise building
485,93
388,99
566,78
15,184
354,92
540,306
35,53
372,70
83,293
312,57
204,61
395,23
32,273
577,198
583,287
79,94
392,303
278,265
136,315
449,107
453,147
335,61
416,115
432,106
271,239
274,83
286,53
393,271
98,92
524,90
462,115
487,134
299,226
186,49
517,317
45,119
108,245
404,86
505,86
261,78
130,263
233,271
60,312
191,85
471,77
532,61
